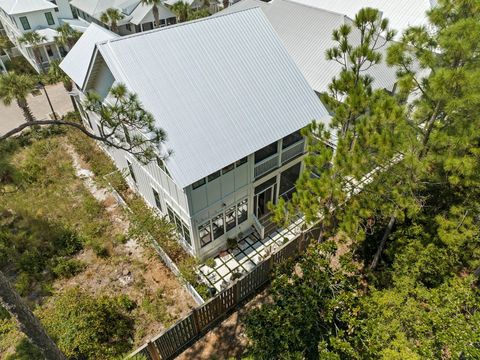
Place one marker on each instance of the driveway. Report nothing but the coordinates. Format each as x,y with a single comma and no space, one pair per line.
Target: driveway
11,116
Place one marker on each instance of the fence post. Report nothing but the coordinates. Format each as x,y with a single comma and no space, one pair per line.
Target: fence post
196,321
153,351
237,291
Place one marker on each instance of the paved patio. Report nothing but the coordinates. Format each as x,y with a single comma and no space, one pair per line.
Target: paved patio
249,252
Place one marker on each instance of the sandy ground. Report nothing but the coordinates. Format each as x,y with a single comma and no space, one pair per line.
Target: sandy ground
11,116
130,269
227,340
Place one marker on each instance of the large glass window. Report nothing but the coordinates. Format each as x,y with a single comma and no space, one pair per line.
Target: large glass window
230,218
266,152
217,225
130,169
291,139
25,23
186,234
49,17
205,234
242,211
288,178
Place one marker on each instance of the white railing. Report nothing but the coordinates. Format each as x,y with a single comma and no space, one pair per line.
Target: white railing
293,151
258,226
266,165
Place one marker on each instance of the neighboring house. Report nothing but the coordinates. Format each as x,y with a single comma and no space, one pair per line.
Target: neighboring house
306,33
232,107
136,16
401,14
21,16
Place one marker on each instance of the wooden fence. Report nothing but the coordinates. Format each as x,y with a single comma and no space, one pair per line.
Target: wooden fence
185,332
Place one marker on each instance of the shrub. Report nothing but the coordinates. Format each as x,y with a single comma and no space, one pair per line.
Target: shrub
68,267
88,327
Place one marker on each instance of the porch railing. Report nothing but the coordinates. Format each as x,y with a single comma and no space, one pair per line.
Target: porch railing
293,151
266,166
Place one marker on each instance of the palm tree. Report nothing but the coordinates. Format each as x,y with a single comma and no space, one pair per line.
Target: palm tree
111,17
156,14
67,36
182,9
34,39
14,87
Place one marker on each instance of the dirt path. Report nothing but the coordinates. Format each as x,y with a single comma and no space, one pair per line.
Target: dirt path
129,269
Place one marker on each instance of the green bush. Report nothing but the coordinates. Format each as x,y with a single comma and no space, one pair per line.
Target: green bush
67,268
88,327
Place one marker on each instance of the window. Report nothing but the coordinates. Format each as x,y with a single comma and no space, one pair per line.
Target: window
242,211
156,196
49,50
213,176
129,27
127,134
49,17
230,218
25,23
205,234
130,168
162,22
217,226
266,152
241,161
186,234
228,168
198,183
291,139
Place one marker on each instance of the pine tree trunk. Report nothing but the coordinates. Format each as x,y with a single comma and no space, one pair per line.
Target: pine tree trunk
27,112
29,324
387,232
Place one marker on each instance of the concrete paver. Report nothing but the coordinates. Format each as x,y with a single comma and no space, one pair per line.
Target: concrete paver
11,116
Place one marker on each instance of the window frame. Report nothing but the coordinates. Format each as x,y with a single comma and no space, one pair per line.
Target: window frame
50,19
156,197
214,176
205,226
199,183
240,204
22,19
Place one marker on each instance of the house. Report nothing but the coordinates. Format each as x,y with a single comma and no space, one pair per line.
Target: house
232,107
401,14
306,33
136,16
42,16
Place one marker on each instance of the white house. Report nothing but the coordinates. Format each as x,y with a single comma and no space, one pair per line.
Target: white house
306,33
21,16
136,16
232,107
401,14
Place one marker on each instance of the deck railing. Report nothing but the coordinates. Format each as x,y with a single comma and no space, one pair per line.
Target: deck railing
265,166
293,151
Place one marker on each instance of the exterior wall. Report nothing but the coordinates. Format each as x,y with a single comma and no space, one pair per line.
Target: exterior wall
37,20
64,9
217,197
210,198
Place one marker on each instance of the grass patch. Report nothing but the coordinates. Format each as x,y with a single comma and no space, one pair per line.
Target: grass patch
47,215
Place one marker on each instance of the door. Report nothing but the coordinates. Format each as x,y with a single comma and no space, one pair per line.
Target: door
264,194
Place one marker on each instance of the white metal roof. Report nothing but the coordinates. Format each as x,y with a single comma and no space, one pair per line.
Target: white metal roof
401,13
219,98
96,8
141,12
76,63
13,7
306,33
